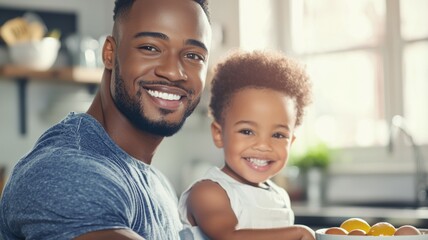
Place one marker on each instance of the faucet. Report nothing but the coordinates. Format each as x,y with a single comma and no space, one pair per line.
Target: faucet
421,186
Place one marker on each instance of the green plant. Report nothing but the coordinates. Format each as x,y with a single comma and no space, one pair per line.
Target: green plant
318,156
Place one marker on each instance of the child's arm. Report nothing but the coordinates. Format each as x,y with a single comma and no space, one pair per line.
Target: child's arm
209,208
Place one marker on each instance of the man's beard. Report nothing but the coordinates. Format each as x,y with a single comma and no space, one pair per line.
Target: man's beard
134,112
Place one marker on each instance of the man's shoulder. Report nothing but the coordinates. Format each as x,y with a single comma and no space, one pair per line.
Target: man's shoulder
75,123
77,134
54,163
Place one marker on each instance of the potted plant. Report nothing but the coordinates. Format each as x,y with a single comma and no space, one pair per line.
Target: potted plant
313,164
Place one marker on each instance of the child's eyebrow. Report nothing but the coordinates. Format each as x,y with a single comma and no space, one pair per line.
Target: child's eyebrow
285,126
245,122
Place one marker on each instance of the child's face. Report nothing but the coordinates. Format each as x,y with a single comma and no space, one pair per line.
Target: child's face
256,135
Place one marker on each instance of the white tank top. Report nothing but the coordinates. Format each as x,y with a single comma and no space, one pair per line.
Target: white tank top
254,207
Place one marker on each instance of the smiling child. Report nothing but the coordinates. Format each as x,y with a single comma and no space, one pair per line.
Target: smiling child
257,101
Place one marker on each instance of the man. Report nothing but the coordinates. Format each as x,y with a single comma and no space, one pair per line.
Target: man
89,177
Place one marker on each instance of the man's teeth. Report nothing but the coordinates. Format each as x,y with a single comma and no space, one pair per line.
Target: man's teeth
258,162
164,95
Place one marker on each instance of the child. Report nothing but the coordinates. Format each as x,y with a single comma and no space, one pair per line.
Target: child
257,101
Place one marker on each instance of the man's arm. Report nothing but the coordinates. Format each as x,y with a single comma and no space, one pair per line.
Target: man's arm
119,234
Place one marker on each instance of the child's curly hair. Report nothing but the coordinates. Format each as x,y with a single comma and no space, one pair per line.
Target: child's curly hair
259,69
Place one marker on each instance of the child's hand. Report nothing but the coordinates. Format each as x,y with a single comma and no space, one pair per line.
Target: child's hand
306,232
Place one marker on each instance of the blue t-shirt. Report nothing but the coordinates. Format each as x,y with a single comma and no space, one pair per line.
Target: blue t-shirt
77,180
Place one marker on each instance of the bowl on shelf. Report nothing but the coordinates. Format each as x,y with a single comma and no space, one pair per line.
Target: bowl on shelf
36,55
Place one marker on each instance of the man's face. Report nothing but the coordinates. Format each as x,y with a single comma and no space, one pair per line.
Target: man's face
160,63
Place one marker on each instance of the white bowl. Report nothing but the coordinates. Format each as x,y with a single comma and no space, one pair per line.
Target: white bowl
320,235
37,55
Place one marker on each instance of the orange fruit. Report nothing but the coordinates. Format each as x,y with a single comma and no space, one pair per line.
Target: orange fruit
381,229
336,231
355,223
357,232
407,230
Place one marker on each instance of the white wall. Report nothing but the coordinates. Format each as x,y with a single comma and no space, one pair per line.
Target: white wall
48,103
95,17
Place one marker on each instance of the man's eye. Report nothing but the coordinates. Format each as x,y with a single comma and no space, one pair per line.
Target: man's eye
195,56
246,131
148,48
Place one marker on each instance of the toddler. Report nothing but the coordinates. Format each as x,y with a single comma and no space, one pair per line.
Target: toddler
257,101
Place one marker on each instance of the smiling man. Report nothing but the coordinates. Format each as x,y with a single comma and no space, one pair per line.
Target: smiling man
89,177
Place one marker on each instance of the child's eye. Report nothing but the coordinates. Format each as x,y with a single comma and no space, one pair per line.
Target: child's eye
246,131
280,135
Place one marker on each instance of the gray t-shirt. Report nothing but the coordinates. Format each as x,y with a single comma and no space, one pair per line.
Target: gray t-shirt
77,180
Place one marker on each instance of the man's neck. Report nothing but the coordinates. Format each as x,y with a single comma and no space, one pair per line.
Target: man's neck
139,144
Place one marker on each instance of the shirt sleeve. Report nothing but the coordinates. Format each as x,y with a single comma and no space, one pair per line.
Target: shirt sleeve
65,195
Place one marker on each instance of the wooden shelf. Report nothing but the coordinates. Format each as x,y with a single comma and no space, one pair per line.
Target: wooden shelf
88,76
66,74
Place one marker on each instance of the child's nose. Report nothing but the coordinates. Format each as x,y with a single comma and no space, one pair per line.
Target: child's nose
262,144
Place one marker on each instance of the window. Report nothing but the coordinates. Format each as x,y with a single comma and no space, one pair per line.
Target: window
367,60
341,42
415,66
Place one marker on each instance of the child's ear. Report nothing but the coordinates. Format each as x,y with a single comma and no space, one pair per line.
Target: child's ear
108,52
216,134
293,137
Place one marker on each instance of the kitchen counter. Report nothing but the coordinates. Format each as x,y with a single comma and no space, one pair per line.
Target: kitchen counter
329,216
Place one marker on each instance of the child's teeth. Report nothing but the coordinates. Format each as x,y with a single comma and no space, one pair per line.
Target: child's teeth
163,95
258,162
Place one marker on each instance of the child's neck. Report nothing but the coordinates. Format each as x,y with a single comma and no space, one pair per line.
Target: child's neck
237,177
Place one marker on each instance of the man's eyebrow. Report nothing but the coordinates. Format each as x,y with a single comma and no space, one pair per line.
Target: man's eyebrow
197,44
162,36
151,34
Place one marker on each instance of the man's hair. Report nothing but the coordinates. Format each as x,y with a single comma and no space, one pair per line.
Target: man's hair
258,69
121,8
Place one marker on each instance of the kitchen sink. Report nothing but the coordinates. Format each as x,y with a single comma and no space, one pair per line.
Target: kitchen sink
394,190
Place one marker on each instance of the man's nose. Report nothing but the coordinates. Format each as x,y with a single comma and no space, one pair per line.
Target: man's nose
171,68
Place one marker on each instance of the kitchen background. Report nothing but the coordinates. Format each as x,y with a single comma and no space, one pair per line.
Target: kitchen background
366,129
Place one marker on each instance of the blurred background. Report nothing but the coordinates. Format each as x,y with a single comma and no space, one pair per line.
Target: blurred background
363,143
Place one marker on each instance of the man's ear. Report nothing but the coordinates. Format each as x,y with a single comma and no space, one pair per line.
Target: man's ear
216,133
108,52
